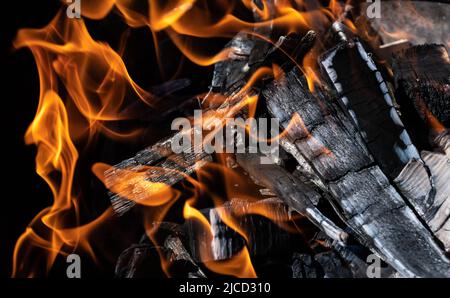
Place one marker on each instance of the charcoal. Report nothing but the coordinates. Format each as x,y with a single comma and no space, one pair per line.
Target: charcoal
332,265
139,260
179,253
249,53
304,266
289,49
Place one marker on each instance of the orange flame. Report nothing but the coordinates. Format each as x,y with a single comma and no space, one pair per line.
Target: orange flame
135,186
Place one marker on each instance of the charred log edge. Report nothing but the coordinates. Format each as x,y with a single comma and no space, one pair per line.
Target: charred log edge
442,141
400,207
263,234
130,259
407,175
174,173
438,215
289,49
179,252
422,74
330,112
159,153
292,191
133,261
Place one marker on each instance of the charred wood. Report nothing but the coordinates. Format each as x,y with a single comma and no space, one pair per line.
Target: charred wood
291,191
366,98
367,201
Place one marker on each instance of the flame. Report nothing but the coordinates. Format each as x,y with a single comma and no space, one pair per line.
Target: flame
93,74
239,265
311,70
56,152
50,229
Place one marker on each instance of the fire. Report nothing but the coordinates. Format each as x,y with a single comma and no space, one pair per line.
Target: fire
56,152
85,88
239,265
93,74
310,69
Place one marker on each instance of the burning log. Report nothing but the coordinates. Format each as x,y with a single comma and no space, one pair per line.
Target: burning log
352,153
228,77
164,167
263,236
248,54
368,203
418,21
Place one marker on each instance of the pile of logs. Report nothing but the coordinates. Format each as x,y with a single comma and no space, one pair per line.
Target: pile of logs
367,167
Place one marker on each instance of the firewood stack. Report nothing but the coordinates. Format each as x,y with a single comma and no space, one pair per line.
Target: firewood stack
365,172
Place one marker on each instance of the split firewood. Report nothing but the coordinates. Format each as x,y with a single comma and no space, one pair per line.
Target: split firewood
422,77
291,191
247,52
351,144
367,201
442,141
